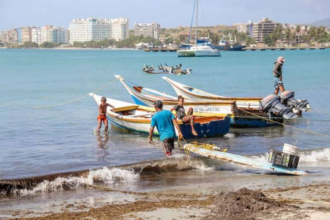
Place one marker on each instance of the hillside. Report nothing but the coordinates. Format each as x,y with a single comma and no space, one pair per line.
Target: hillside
324,22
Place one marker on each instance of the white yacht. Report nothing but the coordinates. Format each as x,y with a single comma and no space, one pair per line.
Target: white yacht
198,50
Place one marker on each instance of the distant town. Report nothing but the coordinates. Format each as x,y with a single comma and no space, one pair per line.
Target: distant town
115,33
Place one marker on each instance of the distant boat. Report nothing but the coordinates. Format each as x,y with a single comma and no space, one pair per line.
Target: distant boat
134,118
198,50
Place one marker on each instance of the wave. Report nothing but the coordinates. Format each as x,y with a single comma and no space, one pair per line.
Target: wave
104,175
319,155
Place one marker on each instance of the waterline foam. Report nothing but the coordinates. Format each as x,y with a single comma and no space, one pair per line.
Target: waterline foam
105,175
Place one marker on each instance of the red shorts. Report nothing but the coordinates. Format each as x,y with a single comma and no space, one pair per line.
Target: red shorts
102,118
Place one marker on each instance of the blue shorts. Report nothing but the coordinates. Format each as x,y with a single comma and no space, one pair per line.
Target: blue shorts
277,82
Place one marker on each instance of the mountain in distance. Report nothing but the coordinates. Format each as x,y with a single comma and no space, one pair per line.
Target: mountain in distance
324,22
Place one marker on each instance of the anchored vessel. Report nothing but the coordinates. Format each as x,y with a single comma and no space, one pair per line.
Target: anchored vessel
198,50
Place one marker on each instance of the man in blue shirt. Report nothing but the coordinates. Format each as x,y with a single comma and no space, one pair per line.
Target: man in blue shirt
164,121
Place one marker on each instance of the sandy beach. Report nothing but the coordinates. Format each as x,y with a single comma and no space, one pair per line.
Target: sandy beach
306,202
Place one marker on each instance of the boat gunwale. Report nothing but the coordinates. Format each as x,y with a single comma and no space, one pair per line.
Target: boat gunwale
215,98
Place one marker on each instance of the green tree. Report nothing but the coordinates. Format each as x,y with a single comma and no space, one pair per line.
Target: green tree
30,45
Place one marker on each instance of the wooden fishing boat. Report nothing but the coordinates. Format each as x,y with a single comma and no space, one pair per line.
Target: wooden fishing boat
134,118
241,160
240,117
194,94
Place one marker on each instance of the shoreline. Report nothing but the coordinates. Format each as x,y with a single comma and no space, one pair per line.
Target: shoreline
308,202
70,48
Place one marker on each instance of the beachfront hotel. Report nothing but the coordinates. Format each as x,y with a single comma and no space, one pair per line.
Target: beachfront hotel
36,35
89,29
264,28
119,29
147,29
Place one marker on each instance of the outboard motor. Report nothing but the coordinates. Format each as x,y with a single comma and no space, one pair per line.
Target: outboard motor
287,98
272,104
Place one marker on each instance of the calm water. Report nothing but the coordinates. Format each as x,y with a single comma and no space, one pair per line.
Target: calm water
50,140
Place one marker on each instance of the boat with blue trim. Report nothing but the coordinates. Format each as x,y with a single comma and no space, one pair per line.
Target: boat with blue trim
240,117
134,118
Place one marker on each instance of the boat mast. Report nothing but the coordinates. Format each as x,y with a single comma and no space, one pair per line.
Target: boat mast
196,21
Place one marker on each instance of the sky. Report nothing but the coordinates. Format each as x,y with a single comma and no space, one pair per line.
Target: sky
168,13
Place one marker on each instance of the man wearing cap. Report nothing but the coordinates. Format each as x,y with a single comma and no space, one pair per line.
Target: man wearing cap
278,83
164,121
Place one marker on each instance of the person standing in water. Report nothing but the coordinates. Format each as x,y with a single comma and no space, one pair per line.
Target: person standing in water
181,114
103,114
277,71
164,121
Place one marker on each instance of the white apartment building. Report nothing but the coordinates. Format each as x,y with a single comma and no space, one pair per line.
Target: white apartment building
147,29
82,30
89,29
54,34
263,28
36,35
119,28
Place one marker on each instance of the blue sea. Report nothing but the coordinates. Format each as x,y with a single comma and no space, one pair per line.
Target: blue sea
61,138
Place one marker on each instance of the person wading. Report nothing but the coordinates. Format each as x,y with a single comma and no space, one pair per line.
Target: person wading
277,71
164,121
103,114
181,114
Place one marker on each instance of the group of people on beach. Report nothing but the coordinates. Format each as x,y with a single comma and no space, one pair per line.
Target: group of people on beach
165,121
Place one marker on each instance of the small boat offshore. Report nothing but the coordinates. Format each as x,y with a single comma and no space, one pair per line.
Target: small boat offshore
240,117
134,118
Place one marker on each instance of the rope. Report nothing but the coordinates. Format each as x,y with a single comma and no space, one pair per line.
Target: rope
67,102
284,125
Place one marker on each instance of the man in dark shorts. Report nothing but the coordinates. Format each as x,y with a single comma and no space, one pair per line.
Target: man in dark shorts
181,114
164,121
277,71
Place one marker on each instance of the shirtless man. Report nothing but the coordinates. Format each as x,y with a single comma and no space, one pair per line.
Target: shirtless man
181,114
103,114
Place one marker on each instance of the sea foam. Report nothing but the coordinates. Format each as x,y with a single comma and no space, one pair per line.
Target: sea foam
105,175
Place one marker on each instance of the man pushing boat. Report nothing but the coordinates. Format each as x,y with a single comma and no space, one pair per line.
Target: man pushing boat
277,71
164,121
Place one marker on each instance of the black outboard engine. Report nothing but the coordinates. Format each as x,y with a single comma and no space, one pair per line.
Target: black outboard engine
272,104
287,98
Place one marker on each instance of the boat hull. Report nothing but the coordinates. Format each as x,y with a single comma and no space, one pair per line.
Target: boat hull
213,128
185,53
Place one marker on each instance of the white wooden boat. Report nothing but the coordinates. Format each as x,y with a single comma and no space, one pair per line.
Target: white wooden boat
147,97
134,118
197,95
242,160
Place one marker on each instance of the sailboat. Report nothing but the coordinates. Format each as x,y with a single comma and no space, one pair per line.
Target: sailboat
198,50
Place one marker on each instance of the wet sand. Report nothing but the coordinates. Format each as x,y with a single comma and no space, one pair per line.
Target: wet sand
304,202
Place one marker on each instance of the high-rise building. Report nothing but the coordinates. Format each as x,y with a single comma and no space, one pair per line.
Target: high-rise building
54,34
263,28
4,37
89,29
147,29
119,28
246,28
36,35
82,30
25,34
